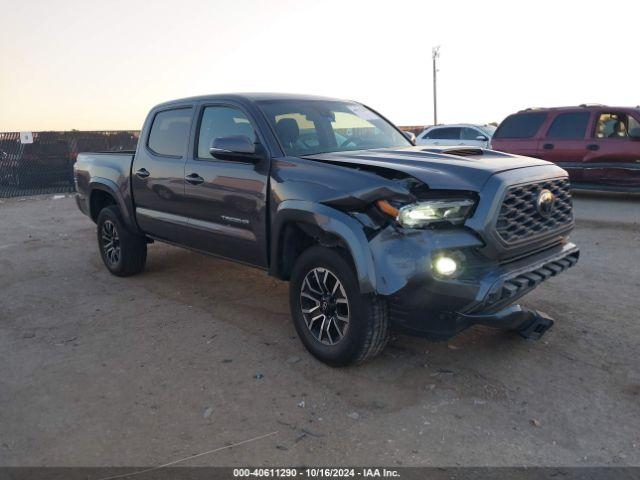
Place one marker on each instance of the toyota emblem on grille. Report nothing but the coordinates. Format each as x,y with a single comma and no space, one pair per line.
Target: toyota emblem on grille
545,202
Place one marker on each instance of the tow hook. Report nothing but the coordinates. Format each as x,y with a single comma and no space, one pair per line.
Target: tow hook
537,327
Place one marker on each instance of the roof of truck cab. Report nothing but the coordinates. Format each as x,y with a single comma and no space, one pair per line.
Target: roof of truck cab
253,96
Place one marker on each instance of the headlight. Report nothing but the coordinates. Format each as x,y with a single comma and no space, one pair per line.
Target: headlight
421,214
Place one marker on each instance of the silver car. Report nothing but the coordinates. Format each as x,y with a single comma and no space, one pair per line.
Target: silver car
460,134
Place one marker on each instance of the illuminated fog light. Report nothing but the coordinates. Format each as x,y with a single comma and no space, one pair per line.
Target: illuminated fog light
445,266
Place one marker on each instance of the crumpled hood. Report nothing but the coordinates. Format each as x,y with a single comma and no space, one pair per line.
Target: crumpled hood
434,166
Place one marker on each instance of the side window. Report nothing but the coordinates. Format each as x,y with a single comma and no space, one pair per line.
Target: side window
471,134
521,125
445,133
569,126
170,132
220,122
615,125
634,127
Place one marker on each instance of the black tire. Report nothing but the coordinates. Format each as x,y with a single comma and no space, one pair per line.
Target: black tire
367,330
126,255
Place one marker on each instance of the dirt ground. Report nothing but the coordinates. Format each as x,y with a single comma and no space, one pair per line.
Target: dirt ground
197,353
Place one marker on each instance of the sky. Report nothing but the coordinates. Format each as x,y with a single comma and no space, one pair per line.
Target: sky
100,65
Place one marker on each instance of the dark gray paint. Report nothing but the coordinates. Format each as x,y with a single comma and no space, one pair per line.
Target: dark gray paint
241,207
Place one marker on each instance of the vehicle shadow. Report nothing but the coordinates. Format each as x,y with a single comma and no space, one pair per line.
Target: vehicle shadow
409,371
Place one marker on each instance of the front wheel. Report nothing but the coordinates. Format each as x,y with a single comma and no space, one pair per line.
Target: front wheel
123,253
336,323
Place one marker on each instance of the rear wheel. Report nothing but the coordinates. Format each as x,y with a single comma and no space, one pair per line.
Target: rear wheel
123,253
336,323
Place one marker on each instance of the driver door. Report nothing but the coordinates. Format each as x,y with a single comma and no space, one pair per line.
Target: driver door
225,200
473,138
613,156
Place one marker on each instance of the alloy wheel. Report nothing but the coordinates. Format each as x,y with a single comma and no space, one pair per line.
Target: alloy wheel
110,242
324,305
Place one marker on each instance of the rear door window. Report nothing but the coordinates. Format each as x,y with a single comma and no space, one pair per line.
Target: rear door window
170,132
569,126
521,125
447,133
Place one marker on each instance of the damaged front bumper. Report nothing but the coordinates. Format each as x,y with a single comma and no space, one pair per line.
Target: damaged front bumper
530,324
438,308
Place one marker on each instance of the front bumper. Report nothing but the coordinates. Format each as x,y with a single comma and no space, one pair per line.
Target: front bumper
530,324
438,309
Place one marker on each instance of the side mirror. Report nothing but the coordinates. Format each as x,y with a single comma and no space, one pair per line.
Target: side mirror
235,147
634,134
410,136
482,138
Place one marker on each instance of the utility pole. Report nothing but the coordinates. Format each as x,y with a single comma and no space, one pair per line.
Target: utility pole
435,54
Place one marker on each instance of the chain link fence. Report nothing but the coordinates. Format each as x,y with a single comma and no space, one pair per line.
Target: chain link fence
44,163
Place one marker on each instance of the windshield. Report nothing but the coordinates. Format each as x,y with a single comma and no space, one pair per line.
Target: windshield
308,127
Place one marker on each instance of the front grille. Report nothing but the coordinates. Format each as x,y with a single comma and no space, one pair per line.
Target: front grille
519,218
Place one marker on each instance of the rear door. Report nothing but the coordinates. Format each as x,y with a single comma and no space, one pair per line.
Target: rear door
565,141
157,174
225,200
519,133
613,157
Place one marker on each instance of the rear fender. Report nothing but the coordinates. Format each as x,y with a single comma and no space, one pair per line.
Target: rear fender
110,187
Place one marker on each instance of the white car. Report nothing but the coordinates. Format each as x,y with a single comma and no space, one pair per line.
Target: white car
454,135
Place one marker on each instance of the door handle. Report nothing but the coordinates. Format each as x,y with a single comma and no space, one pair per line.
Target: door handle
194,179
593,147
548,146
142,173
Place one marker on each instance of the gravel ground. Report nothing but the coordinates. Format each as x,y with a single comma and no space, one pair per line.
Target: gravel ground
198,353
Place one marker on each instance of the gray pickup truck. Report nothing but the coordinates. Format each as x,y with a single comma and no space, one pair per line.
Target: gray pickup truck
371,231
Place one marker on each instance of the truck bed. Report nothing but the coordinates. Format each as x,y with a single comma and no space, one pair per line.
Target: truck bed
115,166
112,168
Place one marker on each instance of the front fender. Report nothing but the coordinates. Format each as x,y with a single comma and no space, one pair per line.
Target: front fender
387,263
332,221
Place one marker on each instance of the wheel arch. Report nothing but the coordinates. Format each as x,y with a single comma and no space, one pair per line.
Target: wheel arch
104,192
323,225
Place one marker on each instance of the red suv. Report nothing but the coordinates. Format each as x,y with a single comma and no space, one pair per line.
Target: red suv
599,146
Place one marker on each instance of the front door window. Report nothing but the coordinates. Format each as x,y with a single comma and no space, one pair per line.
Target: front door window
615,126
218,122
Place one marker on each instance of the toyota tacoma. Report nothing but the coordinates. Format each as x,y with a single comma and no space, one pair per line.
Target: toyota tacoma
371,231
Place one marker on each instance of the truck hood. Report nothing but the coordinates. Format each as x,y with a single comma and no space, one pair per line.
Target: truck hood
440,168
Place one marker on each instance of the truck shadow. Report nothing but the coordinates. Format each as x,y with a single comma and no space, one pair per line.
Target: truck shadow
409,371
